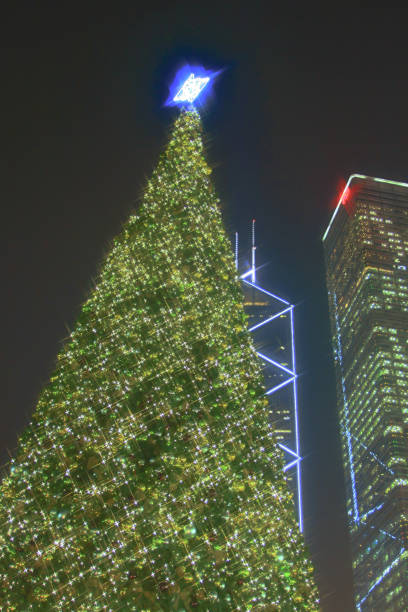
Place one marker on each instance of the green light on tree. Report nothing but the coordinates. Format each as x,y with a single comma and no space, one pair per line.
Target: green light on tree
148,478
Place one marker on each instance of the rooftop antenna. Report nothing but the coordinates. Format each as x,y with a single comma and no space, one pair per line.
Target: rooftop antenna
253,272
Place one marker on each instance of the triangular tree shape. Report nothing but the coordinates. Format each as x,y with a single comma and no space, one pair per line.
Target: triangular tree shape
148,478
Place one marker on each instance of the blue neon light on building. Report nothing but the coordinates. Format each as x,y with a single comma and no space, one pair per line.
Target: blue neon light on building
269,315
366,252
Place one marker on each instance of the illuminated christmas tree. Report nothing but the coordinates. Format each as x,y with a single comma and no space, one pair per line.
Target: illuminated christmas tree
149,478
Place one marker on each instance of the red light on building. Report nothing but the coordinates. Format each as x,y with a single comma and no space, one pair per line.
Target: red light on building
345,196
338,193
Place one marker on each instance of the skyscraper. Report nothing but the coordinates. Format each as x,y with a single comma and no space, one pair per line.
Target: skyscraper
271,322
366,252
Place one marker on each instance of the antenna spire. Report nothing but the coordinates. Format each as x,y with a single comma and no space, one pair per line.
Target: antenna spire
253,271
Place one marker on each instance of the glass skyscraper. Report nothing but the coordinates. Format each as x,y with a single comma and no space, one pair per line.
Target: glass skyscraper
271,322
366,252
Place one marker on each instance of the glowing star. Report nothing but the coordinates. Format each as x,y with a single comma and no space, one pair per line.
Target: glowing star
191,89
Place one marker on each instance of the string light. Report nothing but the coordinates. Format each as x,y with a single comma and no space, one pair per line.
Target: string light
149,477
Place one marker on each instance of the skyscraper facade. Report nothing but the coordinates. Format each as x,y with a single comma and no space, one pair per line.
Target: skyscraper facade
366,252
271,322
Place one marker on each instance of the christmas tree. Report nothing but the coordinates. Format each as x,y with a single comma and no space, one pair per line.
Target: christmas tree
148,478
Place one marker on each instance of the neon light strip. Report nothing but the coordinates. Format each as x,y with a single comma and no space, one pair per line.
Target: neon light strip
295,404
289,465
360,176
286,382
341,200
253,274
275,316
363,518
276,364
346,414
390,535
291,452
373,455
263,290
236,250
398,183
292,373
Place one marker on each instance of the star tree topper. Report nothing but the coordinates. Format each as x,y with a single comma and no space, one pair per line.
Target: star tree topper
191,88
188,85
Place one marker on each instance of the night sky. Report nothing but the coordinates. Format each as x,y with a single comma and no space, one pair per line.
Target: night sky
308,95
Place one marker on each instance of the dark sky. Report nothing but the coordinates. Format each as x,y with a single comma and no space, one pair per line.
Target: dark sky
308,96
